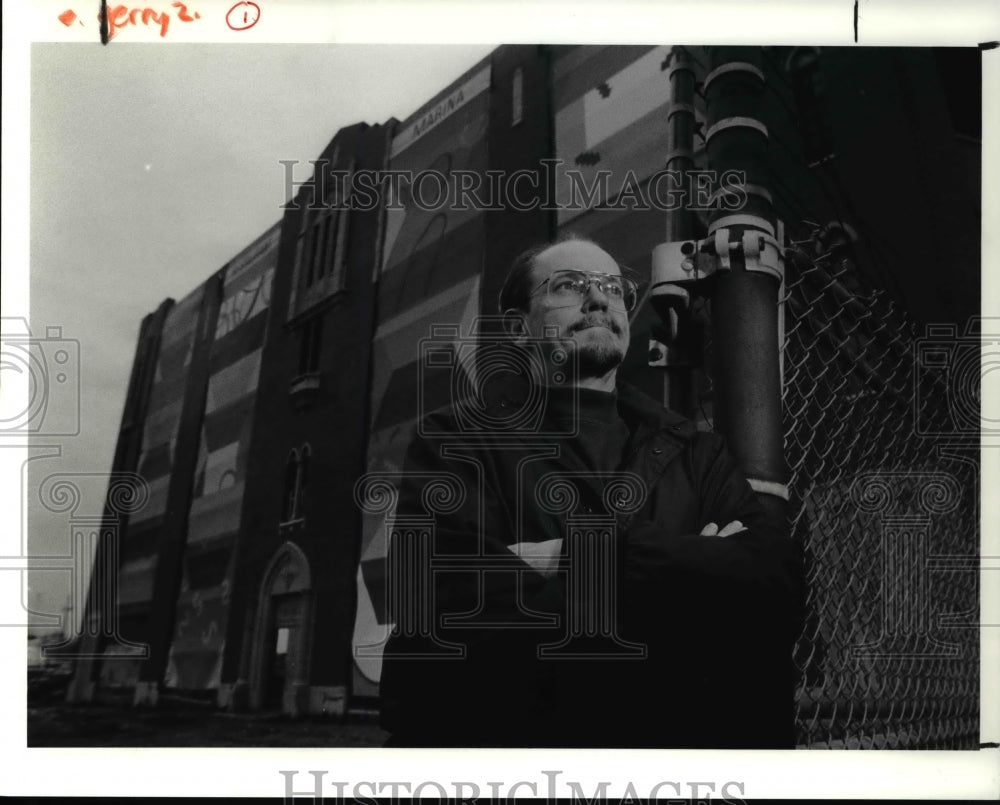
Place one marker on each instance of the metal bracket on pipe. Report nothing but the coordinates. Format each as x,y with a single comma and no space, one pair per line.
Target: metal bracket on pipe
734,67
684,262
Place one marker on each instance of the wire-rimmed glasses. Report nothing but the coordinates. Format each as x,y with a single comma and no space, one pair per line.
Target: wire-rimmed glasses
570,286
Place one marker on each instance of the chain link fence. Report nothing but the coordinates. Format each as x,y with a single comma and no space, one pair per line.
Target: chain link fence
881,436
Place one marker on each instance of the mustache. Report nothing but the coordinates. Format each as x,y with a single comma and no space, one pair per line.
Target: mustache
597,321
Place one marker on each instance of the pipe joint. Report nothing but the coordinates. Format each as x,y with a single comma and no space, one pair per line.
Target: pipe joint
682,263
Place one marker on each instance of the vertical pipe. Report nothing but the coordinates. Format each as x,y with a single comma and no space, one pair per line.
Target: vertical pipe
745,303
680,136
678,388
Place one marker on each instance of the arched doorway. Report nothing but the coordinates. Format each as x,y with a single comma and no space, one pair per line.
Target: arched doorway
279,676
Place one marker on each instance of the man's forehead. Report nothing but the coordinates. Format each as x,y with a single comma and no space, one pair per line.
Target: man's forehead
580,255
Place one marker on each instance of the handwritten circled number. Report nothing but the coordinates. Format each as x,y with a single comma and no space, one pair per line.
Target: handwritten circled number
243,16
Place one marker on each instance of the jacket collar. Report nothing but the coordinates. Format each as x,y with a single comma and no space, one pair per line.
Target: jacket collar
634,406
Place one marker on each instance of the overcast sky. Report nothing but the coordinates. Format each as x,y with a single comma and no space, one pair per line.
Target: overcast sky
153,166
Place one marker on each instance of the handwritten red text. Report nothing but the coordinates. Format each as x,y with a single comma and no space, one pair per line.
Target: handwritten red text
122,16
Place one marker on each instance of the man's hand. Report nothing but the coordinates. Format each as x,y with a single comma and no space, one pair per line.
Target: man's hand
712,530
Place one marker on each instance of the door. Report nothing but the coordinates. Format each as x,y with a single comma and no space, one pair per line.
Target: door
284,648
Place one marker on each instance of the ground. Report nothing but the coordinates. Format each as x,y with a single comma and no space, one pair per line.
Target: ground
104,725
52,722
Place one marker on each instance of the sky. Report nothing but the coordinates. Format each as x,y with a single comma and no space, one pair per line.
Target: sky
151,167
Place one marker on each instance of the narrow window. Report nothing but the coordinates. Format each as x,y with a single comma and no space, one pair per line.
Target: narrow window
325,237
517,97
309,255
309,347
330,250
340,250
340,246
300,483
289,503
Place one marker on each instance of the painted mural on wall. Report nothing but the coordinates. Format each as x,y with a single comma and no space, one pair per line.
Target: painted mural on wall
195,658
156,461
430,275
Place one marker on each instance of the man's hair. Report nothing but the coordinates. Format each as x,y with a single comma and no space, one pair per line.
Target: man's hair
516,290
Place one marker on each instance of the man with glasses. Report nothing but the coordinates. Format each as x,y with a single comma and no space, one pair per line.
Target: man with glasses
697,593
576,289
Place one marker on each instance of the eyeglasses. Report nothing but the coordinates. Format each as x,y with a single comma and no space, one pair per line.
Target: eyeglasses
569,287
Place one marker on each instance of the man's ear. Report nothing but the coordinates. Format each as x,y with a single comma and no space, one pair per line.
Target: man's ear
514,324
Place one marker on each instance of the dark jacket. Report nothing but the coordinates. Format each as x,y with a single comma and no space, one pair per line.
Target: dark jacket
698,650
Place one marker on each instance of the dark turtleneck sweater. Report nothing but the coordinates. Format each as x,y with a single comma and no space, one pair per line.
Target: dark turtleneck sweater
602,433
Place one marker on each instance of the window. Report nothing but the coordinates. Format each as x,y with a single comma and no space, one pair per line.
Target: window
310,335
314,247
303,474
517,97
327,230
322,244
281,641
340,247
338,241
296,476
290,503
304,245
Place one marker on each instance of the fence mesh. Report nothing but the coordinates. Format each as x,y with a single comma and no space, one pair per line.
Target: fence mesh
878,423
